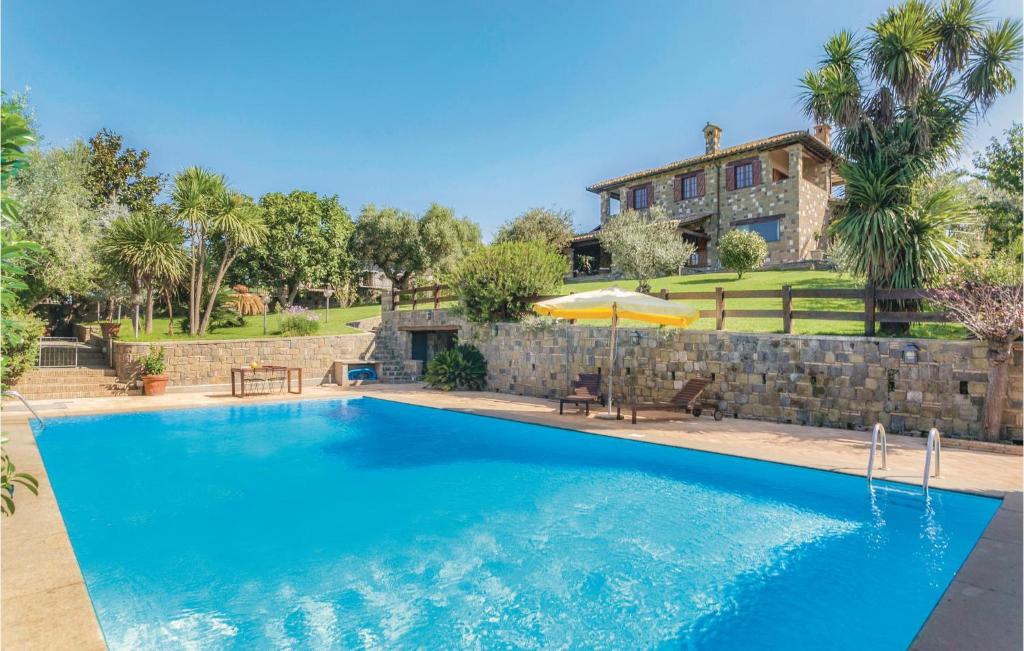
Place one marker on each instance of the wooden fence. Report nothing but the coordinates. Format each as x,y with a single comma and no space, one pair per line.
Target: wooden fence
432,297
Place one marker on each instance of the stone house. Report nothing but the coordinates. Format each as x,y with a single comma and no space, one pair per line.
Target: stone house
781,187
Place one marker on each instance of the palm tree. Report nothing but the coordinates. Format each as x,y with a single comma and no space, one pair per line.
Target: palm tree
237,224
197,197
901,98
148,250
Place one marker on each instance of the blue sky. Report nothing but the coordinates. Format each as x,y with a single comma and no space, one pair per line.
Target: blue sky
489,107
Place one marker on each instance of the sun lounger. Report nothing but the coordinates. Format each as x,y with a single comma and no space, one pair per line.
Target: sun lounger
586,389
687,400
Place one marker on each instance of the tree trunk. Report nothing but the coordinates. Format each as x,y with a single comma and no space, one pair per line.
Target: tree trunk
995,392
110,309
292,294
168,295
196,292
149,308
135,319
214,288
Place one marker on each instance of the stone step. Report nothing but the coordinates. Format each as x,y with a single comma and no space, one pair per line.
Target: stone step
53,381
32,394
81,371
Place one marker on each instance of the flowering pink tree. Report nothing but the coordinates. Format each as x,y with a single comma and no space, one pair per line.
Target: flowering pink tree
993,313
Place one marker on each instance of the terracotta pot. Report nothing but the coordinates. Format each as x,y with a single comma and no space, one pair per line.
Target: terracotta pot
110,329
154,385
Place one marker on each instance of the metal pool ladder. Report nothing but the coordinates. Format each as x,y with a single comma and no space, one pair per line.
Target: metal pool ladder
877,437
15,394
934,444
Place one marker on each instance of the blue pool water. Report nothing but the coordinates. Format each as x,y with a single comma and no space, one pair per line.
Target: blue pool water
368,524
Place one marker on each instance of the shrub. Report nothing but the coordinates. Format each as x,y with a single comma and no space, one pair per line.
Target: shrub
153,363
495,282
461,367
299,322
20,347
742,251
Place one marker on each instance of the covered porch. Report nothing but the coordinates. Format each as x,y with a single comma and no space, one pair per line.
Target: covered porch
589,259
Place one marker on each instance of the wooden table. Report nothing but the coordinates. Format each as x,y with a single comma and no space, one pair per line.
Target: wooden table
243,371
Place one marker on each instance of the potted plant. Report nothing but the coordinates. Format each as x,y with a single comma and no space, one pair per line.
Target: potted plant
154,382
110,328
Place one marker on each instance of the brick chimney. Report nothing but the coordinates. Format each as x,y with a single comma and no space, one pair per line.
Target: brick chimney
823,132
712,138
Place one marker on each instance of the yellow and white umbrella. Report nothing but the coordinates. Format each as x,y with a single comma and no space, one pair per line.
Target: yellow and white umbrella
614,303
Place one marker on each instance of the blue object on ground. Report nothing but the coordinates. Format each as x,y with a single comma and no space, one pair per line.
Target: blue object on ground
362,374
362,523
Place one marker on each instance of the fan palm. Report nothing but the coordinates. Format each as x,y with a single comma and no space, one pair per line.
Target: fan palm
901,98
148,250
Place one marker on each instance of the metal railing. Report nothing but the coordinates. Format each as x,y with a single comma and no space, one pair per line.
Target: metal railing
58,352
934,444
15,394
878,437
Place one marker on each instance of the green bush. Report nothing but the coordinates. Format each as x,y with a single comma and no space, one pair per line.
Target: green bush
742,251
153,363
297,321
461,367
20,344
496,282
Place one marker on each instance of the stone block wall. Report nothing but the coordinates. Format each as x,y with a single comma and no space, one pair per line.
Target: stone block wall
192,363
846,382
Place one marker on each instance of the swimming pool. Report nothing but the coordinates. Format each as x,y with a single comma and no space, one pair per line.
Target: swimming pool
363,523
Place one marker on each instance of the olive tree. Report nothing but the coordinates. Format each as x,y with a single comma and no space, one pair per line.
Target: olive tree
742,251
644,245
550,226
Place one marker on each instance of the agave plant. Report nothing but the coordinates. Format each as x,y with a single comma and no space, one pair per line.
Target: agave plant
900,99
461,367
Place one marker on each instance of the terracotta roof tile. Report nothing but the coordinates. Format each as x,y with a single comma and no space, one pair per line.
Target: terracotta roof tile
788,138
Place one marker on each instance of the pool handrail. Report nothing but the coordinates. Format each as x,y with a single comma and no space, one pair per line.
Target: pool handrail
15,394
878,436
934,443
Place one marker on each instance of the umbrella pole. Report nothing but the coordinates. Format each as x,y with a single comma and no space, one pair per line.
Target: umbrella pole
611,357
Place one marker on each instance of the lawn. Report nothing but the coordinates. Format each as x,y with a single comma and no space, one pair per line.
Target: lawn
334,324
769,280
330,324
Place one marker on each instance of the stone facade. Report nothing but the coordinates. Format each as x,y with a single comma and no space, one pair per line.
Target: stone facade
191,363
795,187
847,382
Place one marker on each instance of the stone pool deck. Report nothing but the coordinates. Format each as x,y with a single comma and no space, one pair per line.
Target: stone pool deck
45,604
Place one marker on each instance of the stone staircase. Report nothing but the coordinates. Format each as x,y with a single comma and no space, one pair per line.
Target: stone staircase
90,379
395,368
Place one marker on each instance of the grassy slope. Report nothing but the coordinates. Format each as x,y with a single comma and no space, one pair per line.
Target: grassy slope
770,280
253,328
695,282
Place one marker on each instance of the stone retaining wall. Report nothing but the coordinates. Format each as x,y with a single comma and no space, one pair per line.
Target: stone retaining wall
210,362
847,382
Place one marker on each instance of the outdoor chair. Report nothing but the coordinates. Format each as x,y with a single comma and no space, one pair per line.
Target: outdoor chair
687,400
586,389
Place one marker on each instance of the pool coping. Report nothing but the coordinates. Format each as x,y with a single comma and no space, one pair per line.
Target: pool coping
46,603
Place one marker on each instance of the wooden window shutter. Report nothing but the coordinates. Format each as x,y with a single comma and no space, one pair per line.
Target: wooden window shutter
650,195
678,183
629,199
700,183
756,165
730,177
